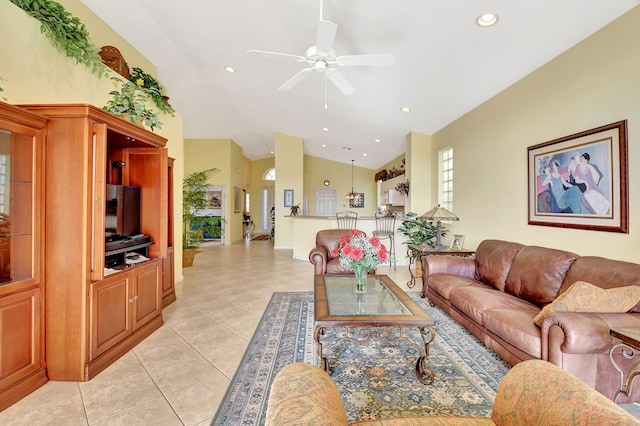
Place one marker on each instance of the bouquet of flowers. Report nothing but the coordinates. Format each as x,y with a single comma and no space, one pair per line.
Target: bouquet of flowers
356,251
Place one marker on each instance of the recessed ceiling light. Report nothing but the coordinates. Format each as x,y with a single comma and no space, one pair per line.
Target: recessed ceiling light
325,129
272,152
405,109
376,140
487,19
324,145
364,155
227,68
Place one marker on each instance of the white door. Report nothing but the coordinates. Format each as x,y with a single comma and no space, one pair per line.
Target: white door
326,202
268,201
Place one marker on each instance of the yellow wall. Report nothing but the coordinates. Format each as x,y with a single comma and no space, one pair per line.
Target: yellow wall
36,73
289,162
595,83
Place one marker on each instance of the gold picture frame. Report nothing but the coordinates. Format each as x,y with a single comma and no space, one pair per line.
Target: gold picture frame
236,199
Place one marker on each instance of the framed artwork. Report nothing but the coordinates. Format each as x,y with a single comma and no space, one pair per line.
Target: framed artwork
580,181
457,242
288,197
214,199
236,199
358,201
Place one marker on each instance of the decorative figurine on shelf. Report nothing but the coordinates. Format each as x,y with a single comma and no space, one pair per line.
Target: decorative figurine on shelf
295,210
403,188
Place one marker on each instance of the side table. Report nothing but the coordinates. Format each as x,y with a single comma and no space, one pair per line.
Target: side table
629,348
415,253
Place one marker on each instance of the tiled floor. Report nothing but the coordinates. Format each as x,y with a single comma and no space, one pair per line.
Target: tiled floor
179,374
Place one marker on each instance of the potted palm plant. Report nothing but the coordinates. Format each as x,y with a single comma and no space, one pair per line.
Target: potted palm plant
194,223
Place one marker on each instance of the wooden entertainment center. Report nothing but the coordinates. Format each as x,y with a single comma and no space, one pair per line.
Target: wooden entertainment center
94,315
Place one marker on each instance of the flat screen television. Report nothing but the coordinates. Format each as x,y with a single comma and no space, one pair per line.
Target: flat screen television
122,212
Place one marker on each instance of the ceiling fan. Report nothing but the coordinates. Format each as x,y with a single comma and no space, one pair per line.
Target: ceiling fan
322,58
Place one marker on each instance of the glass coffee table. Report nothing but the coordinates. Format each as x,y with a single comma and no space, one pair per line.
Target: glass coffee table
384,306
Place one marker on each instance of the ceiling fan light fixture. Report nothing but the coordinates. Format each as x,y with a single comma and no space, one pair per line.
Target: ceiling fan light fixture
487,19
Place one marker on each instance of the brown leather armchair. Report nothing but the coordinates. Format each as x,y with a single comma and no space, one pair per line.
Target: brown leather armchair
320,256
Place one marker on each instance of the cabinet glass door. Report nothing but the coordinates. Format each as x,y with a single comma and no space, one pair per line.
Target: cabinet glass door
16,207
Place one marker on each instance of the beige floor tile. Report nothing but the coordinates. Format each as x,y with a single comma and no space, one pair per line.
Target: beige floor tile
200,401
57,402
155,413
127,365
67,411
105,400
178,373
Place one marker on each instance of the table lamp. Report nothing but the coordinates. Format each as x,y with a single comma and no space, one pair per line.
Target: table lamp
439,214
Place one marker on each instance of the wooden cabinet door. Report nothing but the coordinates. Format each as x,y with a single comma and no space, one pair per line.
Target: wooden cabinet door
109,313
147,293
19,336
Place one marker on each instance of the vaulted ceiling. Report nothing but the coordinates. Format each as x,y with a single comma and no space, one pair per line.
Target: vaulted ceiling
445,64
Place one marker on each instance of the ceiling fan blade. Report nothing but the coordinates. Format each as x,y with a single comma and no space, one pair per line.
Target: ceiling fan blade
298,58
297,78
326,35
366,60
340,81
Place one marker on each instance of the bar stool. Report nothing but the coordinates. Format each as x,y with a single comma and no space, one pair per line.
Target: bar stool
347,220
386,229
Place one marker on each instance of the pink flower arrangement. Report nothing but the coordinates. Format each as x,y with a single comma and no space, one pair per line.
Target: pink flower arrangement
356,250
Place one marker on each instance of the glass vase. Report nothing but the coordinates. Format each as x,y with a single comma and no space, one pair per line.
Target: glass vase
360,281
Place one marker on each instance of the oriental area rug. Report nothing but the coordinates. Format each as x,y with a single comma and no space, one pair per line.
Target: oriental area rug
375,380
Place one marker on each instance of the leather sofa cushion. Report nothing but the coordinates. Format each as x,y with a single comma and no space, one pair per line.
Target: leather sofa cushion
537,273
605,273
474,301
444,283
516,327
493,260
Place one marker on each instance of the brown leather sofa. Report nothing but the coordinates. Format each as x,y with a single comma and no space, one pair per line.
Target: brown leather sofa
532,393
497,295
320,255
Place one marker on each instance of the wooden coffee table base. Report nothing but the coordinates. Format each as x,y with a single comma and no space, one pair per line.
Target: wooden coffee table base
383,333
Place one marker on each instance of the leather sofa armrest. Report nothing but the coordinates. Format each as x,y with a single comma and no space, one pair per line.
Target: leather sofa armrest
574,333
318,257
303,394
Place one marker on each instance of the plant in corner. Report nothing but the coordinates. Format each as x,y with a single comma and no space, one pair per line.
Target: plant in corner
194,223
129,99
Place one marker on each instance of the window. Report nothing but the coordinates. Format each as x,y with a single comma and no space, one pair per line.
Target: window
445,184
270,174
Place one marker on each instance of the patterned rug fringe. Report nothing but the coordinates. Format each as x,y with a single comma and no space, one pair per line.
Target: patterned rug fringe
377,379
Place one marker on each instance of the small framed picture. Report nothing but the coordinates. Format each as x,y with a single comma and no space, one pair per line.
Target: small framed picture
288,197
457,242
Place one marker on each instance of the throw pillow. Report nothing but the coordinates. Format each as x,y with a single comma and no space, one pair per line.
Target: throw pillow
585,297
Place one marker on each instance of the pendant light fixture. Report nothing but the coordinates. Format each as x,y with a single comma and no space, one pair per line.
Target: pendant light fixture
352,197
